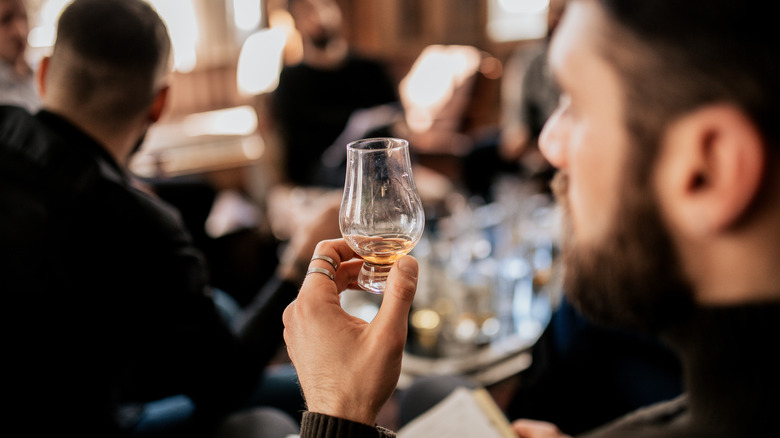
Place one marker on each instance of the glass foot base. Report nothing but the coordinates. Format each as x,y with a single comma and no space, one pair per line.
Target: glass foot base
373,278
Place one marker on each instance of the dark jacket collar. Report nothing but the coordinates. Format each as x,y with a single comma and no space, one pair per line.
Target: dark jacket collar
77,138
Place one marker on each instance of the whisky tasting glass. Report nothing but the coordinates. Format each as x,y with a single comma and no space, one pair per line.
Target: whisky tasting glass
381,216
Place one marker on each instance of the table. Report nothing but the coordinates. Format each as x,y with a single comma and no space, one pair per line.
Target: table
200,143
489,281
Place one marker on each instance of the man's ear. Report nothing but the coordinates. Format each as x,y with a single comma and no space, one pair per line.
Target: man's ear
43,69
158,105
710,170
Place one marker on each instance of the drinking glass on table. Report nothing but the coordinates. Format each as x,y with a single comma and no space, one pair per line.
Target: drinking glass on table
381,216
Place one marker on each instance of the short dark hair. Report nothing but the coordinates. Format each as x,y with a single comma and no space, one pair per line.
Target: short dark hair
674,56
119,49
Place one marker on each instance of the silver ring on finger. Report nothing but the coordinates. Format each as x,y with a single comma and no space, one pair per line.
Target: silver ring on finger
322,271
327,259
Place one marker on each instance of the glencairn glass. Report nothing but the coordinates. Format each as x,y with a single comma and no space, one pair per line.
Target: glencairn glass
381,216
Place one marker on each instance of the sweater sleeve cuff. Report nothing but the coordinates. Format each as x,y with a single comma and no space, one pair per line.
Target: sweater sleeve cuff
321,425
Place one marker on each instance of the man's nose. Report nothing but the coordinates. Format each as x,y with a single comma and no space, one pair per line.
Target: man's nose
552,140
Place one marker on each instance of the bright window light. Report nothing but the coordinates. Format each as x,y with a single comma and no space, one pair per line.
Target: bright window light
179,17
45,31
260,61
240,120
524,6
42,36
432,80
247,14
512,20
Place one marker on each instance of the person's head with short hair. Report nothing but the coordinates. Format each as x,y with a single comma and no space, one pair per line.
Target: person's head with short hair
14,28
109,65
672,107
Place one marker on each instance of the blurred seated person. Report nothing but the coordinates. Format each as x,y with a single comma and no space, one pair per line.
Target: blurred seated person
529,96
17,84
228,226
316,97
109,309
435,96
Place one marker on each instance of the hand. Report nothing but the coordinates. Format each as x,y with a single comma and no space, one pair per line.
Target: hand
537,429
348,368
318,221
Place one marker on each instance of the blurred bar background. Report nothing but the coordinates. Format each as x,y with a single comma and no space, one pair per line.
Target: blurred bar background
489,272
209,36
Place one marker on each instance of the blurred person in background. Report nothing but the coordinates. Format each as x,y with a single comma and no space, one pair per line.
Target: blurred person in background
533,103
529,95
668,157
317,96
17,84
111,326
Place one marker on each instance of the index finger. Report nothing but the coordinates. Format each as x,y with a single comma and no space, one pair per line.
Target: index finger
338,251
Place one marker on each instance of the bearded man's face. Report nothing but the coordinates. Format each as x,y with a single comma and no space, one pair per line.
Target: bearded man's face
619,257
631,278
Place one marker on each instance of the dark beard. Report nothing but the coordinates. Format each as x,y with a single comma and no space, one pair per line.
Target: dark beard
632,280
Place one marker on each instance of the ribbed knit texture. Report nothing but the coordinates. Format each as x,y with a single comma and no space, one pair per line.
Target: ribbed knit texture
319,425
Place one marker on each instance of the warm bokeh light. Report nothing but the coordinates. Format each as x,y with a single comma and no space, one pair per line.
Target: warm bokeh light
260,61
524,6
43,34
178,15
247,14
511,20
293,47
433,79
240,120
425,319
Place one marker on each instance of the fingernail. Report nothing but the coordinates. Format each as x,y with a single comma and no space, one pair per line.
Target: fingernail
409,265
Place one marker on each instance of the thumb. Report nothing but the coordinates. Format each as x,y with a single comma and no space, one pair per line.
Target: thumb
399,293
